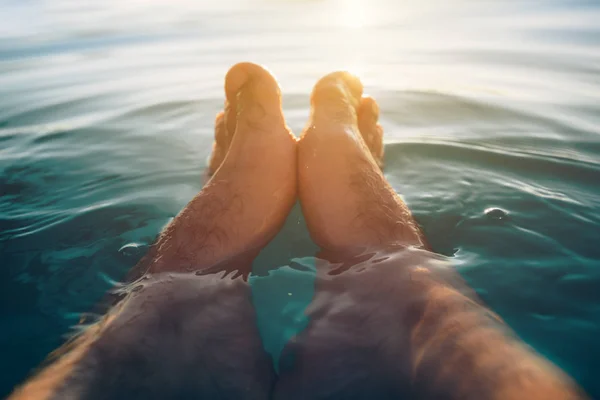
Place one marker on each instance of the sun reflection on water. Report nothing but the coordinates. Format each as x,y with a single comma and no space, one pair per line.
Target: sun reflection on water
352,13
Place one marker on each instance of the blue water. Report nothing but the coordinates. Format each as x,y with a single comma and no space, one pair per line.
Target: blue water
492,120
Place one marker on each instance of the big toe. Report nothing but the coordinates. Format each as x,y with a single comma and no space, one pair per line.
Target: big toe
371,131
337,96
252,95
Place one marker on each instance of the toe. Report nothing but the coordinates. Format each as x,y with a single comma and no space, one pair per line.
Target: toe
252,95
220,145
337,95
371,131
221,134
368,112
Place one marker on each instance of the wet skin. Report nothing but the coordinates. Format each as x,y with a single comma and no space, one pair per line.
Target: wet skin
389,318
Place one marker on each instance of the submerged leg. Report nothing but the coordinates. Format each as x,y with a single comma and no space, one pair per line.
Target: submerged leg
392,321
180,334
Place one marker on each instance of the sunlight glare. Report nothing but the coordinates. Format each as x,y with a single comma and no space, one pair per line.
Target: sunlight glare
352,13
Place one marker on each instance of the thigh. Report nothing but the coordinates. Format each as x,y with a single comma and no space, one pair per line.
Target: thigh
177,336
356,345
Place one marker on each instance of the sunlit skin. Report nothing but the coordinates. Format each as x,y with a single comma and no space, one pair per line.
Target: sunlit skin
437,341
253,184
445,345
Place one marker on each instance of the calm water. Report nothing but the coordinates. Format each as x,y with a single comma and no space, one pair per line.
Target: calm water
492,119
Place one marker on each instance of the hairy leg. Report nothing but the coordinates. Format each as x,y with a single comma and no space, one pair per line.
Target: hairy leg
392,321
252,189
344,195
183,335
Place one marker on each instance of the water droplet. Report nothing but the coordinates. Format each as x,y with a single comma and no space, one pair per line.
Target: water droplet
496,213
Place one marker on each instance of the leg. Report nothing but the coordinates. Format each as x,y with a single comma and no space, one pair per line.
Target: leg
253,187
192,335
344,195
392,321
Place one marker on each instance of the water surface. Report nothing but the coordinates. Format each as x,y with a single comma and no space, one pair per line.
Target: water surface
491,112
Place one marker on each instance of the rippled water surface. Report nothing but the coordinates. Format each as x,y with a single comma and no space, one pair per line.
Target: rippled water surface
492,120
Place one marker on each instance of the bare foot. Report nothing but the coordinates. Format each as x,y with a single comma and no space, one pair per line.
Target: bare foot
345,198
253,186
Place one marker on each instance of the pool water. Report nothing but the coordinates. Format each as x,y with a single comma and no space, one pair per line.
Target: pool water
492,119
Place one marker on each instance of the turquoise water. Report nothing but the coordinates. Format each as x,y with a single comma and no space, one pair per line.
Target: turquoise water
492,120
